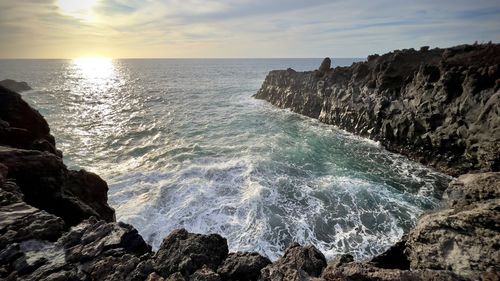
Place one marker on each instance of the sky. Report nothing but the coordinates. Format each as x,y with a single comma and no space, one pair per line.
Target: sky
239,28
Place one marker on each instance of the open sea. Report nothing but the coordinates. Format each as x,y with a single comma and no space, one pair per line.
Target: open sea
182,144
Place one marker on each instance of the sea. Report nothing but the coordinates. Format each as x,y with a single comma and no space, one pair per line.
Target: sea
183,144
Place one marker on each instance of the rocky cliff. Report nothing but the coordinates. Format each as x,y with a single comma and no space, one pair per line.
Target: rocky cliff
55,224
437,106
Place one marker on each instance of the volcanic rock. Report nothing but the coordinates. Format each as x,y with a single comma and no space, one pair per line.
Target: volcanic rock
298,263
187,252
22,126
15,86
438,106
242,266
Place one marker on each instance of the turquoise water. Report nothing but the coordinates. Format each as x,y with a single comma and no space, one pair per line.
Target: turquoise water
182,143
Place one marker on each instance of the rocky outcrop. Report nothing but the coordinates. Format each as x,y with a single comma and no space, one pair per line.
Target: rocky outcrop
15,86
464,238
298,263
438,106
242,266
22,126
186,252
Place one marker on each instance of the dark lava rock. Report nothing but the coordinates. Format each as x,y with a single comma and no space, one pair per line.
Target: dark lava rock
298,263
15,86
324,67
187,252
438,106
93,250
22,126
394,258
47,184
242,266
20,221
204,274
356,271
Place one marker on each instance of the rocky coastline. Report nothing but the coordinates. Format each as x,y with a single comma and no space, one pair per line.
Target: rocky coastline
55,224
437,106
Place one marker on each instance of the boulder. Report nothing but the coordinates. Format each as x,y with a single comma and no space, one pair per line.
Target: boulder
46,184
325,65
242,266
22,126
204,274
298,263
187,252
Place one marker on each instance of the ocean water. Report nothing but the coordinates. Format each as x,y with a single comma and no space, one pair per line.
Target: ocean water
182,143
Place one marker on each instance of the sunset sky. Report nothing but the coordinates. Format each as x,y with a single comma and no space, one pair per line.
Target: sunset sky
238,28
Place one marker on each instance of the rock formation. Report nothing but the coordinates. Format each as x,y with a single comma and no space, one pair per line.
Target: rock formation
14,85
438,106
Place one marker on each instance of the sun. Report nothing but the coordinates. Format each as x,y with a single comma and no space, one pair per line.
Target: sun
80,9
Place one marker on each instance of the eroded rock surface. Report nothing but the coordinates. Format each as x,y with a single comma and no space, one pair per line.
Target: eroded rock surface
242,266
185,252
464,238
298,263
437,106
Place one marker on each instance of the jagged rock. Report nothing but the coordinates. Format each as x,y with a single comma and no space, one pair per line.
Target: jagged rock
47,184
93,250
187,252
465,238
471,188
155,277
355,271
22,126
324,67
20,222
439,106
204,274
242,266
394,258
176,277
298,263
340,260
15,86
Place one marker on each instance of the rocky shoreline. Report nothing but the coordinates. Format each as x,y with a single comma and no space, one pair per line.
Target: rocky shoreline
55,224
437,106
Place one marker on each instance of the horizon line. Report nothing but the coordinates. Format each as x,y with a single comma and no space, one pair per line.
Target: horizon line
183,58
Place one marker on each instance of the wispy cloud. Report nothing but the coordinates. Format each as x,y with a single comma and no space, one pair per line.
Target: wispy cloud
242,28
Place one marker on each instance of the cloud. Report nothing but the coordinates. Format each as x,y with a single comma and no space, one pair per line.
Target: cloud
242,28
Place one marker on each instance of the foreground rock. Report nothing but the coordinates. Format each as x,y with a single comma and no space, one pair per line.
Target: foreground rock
439,106
298,263
242,266
465,237
15,86
186,252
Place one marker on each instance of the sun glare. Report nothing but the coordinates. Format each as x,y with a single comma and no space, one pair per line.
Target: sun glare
80,9
95,70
